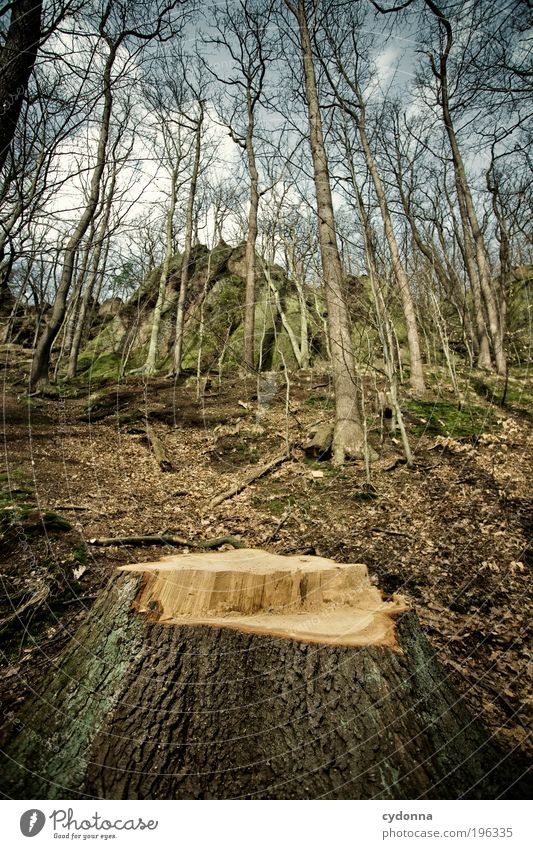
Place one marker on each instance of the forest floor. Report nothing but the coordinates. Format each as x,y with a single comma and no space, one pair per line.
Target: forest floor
451,534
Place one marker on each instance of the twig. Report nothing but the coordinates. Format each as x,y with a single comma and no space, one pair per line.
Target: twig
278,527
263,470
168,539
36,599
78,599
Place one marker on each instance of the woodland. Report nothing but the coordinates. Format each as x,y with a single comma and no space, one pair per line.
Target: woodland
265,333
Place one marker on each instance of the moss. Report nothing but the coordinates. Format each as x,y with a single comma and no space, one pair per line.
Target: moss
131,417
222,312
443,418
102,368
283,353
54,522
238,453
319,402
517,393
85,686
80,555
17,474
277,506
19,514
322,466
10,497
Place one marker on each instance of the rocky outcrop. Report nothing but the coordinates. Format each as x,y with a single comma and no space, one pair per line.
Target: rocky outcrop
213,317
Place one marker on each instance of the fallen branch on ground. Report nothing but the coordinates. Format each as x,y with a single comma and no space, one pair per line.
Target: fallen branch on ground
253,476
168,539
278,527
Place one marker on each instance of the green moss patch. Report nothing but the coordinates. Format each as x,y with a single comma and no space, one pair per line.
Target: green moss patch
80,555
99,369
278,506
517,394
319,402
19,514
441,418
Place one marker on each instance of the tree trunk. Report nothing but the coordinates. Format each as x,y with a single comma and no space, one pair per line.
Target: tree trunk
443,269
17,58
417,373
298,353
480,340
384,324
150,364
348,438
502,234
251,238
464,195
189,216
184,682
73,308
89,289
480,251
298,277
41,358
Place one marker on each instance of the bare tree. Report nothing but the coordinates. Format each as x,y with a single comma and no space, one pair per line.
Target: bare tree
196,126
169,137
343,66
348,439
242,32
99,244
117,28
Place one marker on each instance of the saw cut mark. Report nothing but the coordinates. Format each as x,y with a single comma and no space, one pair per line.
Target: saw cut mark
307,598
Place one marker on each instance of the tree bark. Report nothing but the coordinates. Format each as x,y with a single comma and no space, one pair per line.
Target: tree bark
348,439
17,58
140,709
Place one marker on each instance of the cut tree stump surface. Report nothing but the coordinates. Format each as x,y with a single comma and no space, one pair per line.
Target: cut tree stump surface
302,598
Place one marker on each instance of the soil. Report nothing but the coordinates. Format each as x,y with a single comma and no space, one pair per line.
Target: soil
451,534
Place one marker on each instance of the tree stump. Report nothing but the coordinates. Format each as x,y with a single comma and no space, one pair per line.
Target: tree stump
246,674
